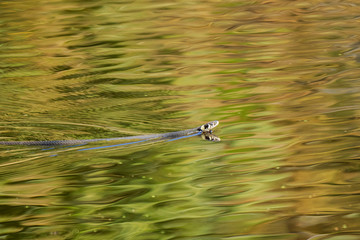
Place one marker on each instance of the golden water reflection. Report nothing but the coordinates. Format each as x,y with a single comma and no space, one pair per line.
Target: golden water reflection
280,76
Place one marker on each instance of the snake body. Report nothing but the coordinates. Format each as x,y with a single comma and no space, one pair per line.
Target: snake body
203,129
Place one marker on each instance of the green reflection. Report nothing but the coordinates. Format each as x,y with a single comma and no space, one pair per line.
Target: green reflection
282,77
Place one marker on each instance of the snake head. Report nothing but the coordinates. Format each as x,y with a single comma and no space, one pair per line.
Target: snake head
207,127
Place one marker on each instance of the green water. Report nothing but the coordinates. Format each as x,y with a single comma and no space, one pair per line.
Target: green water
282,77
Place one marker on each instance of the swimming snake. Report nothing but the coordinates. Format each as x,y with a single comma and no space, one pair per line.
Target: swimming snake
205,130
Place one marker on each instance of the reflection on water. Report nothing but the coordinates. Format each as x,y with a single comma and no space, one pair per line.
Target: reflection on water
281,76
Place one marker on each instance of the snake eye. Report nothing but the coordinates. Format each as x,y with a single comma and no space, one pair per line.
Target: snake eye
205,127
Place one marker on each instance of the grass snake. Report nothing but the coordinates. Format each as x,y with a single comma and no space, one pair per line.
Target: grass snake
205,130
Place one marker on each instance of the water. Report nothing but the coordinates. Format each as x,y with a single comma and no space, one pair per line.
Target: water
280,76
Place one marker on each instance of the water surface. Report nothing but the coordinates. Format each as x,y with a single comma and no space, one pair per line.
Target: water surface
280,76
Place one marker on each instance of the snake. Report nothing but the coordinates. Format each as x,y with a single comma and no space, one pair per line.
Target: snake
205,130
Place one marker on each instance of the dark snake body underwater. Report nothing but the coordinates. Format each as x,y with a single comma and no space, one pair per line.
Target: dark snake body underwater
205,130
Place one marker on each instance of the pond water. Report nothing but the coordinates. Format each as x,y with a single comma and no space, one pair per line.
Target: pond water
282,77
